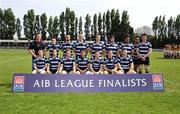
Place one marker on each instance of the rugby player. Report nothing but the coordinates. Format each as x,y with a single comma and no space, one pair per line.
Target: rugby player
126,63
145,49
67,44
135,53
40,64
67,64
82,64
53,63
96,64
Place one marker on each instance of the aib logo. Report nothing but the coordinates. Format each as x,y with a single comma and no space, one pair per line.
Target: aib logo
19,83
157,82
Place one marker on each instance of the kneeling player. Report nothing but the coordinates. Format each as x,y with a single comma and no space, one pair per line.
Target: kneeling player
96,64
126,63
67,64
53,63
82,63
111,65
40,64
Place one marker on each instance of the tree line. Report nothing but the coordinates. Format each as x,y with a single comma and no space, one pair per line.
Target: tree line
106,24
166,32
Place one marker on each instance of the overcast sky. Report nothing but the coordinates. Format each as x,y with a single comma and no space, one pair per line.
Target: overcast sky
141,12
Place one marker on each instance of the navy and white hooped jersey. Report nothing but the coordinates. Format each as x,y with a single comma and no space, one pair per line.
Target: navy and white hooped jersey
96,64
97,47
135,54
80,46
82,62
127,46
51,47
110,63
54,62
40,62
112,46
67,63
125,62
67,45
144,48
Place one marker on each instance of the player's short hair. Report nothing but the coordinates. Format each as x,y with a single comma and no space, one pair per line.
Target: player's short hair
144,34
126,35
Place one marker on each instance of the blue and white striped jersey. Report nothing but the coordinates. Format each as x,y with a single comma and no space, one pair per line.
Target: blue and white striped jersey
125,62
96,64
144,48
40,62
112,46
51,47
53,62
82,62
127,46
110,63
80,46
67,63
67,45
97,47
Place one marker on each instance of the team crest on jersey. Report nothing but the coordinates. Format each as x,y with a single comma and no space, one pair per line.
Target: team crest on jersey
157,82
19,83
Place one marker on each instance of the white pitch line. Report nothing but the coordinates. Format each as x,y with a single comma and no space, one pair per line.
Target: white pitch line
13,60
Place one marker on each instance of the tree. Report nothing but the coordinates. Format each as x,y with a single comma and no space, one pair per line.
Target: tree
55,27
108,23
80,24
155,26
37,26
116,26
94,24
104,25
50,29
87,27
177,27
18,28
99,23
61,25
9,22
124,25
76,28
43,20
144,29
1,24
72,24
67,20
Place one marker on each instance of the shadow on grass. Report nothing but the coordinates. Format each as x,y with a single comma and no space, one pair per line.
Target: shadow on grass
8,86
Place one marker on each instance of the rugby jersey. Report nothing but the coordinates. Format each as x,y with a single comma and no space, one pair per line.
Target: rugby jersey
97,47
135,54
51,47
53,62
96,64
67,45
67,63
80,46
82,62
40,62
110,63
112,46
125,62
144,48
127,46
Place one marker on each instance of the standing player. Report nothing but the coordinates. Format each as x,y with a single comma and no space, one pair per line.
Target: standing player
145,49
82,64
97,46
53,46
40,64
110,64
112,45
96,64
67,64
67,44
126,63
126,45
135,53
35,46
80,45
53,63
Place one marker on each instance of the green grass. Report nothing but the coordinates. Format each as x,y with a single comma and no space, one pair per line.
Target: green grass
167,102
